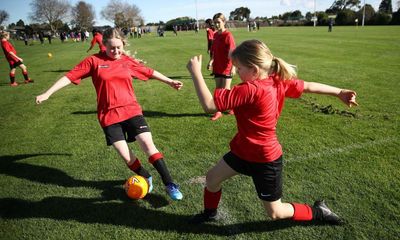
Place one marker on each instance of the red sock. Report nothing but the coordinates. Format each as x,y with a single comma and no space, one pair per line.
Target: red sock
135,166
12,77
25,73
211,199
155,157
302,212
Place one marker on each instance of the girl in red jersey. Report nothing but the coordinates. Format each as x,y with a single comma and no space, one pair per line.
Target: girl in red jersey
255,150
210,38
13,60
97,38
119,113
222,66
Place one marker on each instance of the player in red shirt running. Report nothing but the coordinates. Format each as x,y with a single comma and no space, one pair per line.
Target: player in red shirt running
222,46
119,113
13,60
97,38
210,38
255,150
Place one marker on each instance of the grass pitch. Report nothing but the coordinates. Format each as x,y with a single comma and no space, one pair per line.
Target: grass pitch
59,181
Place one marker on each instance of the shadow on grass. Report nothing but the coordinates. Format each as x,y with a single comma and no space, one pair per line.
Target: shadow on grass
188,77
9,165
127,213
105,209
153,114
180,77
58,71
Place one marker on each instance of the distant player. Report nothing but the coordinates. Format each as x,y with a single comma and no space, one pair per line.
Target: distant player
222,67
255,151
97,38
118,111
210,38
13,60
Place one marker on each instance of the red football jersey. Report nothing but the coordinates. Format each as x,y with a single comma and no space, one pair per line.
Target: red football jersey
98,38
257,106
210,34
112,79
7,48
222,46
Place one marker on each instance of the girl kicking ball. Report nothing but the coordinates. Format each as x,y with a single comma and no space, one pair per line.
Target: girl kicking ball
118,111
255,151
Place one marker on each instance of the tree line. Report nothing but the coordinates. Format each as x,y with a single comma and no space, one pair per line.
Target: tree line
60,15
345,12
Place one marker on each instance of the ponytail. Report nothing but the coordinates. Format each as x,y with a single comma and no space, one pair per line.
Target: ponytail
284,70
255,53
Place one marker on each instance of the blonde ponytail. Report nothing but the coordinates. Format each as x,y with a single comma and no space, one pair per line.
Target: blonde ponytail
284,70
255,53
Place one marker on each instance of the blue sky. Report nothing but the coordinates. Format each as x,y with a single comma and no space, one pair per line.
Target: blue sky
164,10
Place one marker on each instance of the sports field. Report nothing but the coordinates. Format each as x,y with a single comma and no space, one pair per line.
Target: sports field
59,180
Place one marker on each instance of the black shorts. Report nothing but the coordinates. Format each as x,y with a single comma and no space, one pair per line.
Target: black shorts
217,75
15,64
209,45
267,177
126,130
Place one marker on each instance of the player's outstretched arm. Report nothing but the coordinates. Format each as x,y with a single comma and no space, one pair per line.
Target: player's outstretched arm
203,93
62,82
348,97
173,83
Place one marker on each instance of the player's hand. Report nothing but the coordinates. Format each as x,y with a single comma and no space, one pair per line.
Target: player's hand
176,84
194,64
348,97
41,98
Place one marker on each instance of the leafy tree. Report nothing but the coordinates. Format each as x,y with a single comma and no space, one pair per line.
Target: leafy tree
369,14
323,18
49,11
340,5
345,17
240,14
83,15
181,21
296,15
20,23
286,16
396,17
382,18
123,14
386,7
3,16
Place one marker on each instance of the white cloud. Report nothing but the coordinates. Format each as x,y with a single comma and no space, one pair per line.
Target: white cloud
286,3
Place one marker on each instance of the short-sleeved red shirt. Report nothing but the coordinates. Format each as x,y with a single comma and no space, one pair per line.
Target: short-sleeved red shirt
210,34
98,38
223,44
257,106
112,79
7,48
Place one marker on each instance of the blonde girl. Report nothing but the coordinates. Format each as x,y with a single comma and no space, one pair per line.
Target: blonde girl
255,151
118,111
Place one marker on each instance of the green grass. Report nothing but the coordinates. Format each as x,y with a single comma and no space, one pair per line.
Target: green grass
59,180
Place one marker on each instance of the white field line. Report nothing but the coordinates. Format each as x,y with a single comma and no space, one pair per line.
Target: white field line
348,148
228,219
